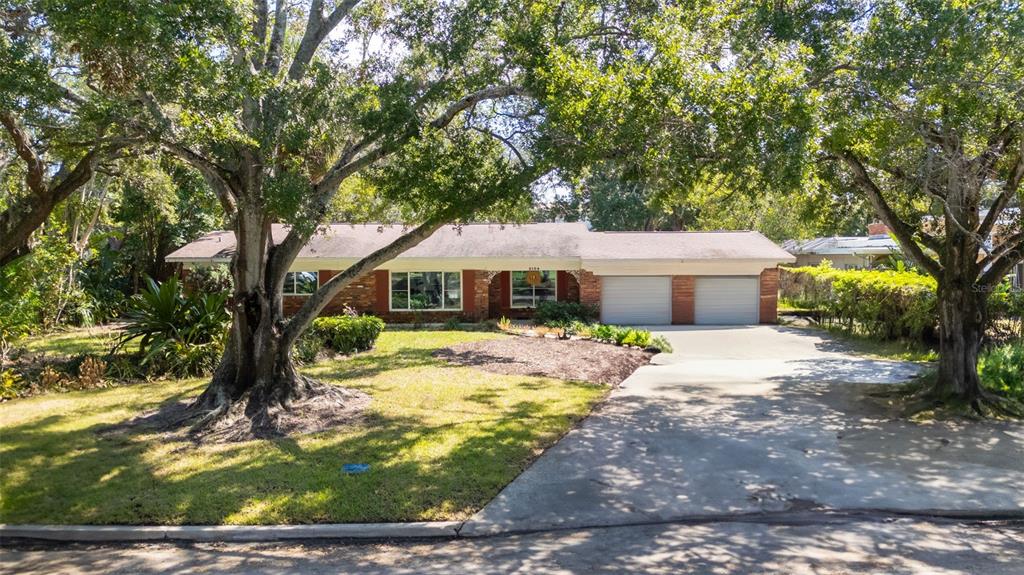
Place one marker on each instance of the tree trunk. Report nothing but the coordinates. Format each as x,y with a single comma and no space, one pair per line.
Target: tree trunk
256,379
961,329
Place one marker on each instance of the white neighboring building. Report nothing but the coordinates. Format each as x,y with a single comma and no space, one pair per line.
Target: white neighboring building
846,252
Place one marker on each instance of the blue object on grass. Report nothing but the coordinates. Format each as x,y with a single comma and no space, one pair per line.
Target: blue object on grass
355,468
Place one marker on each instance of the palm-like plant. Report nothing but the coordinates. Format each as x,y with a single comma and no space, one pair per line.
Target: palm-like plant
179,333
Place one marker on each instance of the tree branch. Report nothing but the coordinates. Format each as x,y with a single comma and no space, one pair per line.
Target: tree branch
318,27
273,61
316,302
1002,259
35,177
1010,189
218,178
903,232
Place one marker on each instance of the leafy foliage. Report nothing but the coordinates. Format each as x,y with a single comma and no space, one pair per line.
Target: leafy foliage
563,313
1001,369
177,333
348,333
883,303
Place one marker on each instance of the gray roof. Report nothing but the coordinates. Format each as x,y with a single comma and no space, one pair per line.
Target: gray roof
544,240
876,245
723,245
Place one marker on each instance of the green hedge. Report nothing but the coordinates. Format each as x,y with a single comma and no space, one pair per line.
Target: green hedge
886,304
347,333
563,313
889,304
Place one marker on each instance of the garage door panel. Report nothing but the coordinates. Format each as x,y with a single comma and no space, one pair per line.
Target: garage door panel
636,300
726,300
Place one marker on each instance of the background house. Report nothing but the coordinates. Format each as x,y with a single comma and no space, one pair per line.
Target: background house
847,252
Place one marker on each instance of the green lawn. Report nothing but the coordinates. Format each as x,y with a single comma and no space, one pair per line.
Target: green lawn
90,340
441,440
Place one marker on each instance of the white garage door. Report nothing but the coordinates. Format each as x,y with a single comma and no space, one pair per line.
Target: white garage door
636,300
726,300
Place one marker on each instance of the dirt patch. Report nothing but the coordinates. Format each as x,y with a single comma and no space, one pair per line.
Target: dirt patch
325,407
578,360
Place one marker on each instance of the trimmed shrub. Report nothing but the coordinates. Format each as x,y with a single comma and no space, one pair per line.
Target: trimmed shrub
885,304
348,334
563,313
888,304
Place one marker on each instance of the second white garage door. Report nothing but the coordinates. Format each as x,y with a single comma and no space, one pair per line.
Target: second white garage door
726,300
636,300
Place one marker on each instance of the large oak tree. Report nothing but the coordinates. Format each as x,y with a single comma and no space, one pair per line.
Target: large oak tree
920,108
449,109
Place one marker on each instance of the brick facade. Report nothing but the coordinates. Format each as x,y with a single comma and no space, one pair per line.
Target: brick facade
500,295
769,308
370,294
590,289
683,299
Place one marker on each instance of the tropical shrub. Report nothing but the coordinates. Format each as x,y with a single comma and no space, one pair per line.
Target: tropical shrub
348,334
177,333
562,313
1001,369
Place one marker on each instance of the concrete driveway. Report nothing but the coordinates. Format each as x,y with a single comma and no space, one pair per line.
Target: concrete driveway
757,419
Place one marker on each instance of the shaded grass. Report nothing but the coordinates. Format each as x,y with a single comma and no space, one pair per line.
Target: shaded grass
87,340
897,350
441,441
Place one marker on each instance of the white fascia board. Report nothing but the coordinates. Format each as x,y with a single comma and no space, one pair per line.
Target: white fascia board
731,267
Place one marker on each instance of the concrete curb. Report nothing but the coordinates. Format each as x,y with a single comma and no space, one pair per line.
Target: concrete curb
110,533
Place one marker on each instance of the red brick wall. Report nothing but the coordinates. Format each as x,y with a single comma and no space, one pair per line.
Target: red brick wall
370,294
500,295
359,295
590,289
683,299
769,295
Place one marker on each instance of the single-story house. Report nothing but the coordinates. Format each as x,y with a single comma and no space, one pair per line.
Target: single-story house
846,252
479,271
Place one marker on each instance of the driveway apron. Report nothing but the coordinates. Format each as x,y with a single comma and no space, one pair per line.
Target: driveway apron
755,419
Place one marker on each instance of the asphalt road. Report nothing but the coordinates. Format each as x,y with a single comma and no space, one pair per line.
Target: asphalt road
838,547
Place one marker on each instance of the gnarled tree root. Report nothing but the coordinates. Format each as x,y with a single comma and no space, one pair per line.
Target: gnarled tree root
215,418
923,397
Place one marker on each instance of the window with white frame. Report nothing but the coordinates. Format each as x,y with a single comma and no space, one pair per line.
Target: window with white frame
527,294
426,290
300,283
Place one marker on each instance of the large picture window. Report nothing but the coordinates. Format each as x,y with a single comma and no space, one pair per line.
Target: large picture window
526,295
426,290
300,283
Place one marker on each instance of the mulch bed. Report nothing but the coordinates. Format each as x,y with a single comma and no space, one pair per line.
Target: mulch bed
577,360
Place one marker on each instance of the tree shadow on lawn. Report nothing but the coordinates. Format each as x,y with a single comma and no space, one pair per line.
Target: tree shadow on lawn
421,469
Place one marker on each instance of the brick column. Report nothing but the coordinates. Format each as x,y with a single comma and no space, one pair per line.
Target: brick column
481,293
381,292
769,308
590,289
475,287
683,300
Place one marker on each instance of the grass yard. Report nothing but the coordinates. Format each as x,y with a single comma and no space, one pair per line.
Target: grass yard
441,441
87,340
